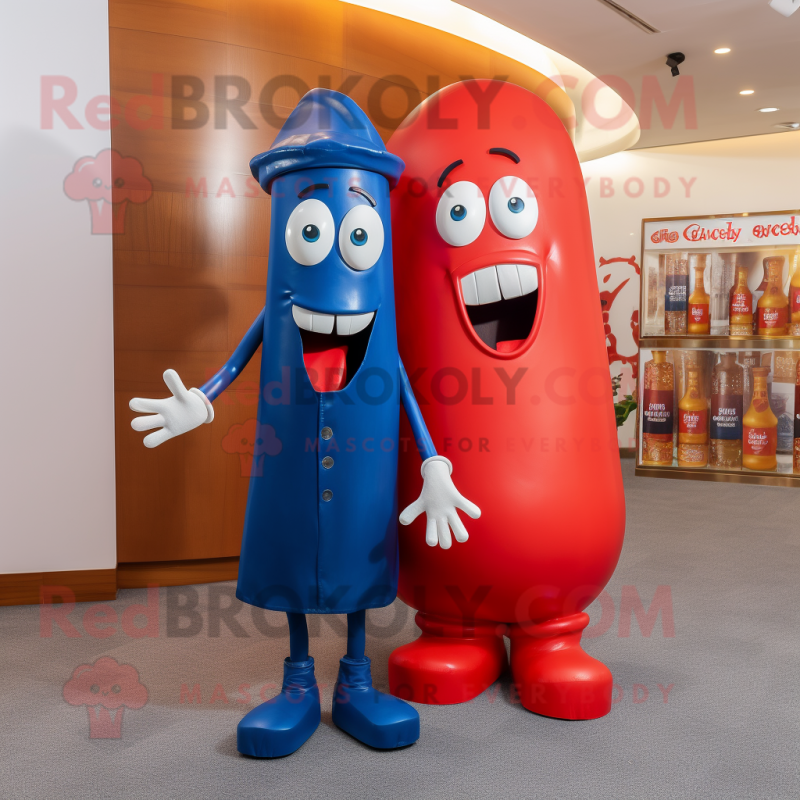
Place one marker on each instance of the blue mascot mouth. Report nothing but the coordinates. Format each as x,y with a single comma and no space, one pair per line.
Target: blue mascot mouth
334,345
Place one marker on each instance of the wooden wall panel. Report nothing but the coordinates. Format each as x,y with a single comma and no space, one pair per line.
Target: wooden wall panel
190,265
206,20
313,29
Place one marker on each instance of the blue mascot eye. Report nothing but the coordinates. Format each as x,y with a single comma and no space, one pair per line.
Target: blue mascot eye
458,213
311,233
358,237
515,205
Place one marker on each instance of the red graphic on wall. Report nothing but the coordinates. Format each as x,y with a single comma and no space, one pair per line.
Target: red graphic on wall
106,688
618,279
253,443
108,182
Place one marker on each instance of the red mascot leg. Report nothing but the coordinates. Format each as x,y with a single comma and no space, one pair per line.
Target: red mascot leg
553,674
451,662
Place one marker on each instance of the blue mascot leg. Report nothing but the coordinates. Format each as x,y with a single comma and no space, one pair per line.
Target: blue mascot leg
298,637
283,724
356,634
372,717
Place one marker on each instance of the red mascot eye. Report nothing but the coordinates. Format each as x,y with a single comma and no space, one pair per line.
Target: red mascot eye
461,214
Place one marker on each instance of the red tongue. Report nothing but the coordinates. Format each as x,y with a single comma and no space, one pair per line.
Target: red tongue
510,346
326,366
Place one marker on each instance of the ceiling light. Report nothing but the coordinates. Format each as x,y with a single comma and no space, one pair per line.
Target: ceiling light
785,7
788,126
747,91
768,109
720,51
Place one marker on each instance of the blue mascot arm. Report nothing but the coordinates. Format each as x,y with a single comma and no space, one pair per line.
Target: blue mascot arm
213,388
421,435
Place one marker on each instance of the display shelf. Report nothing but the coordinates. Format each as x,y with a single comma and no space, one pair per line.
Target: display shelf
786,479
675,250
718,343
696,271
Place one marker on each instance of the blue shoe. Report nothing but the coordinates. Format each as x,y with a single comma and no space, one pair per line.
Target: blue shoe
372,717
283,724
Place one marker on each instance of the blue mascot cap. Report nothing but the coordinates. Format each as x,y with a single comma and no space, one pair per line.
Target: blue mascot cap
326,129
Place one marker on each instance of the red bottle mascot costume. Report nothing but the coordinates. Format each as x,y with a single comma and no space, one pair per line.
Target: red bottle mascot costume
500,328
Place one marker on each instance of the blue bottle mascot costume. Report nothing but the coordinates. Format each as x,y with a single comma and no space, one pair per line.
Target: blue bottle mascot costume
320,533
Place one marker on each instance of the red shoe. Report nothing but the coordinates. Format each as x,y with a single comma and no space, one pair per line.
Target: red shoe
451,662
552,673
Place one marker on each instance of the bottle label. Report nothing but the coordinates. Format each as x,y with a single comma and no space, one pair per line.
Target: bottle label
692,454
693,421
760,441
769,318
698,313
794,299
741,304
761,404
657,411
677,293
726,416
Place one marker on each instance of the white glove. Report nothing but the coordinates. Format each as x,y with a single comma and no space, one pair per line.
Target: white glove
439,499
185,410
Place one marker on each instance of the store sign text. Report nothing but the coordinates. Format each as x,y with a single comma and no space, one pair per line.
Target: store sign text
790,228
664,235
698,233
766,229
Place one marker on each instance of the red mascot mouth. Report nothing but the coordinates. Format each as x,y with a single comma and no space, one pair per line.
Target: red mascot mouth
334,345
501,303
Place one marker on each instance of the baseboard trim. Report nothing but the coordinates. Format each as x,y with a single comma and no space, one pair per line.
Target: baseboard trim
94,585
627,452
177,573
83,586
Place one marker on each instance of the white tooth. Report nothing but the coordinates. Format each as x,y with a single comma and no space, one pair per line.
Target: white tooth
322,323
528,278
302,318
343,324
509,281
346,324
488,287
469,289
360,321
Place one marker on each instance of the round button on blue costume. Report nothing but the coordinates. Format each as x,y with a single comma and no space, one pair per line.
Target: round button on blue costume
321,525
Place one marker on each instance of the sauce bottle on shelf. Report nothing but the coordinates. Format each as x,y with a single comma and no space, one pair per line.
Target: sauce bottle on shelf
657,411
760,427
654,284
794,303
748,359
675,298
699,302
773,306
693,422
727,408
758,293
797,422
741,305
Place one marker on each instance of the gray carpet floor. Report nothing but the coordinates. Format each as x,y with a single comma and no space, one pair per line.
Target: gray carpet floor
724,722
